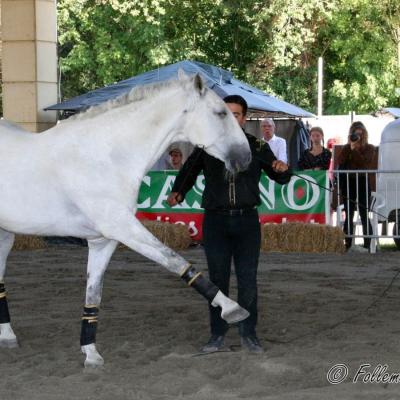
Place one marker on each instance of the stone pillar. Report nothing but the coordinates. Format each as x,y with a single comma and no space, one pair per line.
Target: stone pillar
29,62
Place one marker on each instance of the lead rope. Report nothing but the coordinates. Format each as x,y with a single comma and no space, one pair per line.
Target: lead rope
354,315
344,197
330,327
343,321
233,348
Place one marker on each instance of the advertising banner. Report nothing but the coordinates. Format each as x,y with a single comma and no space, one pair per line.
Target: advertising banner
301,200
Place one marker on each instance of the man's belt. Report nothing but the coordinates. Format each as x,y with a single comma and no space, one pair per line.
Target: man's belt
233,212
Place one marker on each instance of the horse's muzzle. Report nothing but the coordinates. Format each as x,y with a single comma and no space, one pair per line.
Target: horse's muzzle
238,159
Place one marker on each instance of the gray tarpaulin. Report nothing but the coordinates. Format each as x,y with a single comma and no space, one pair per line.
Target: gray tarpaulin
217,79
392,111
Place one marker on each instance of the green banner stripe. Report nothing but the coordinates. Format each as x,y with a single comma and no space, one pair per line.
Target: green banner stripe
296,197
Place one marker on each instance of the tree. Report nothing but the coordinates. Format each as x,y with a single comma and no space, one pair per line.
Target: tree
224,33
287,64
105,41
274,44
360,58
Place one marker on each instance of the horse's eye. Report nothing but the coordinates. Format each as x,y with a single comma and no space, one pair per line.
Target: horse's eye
221,114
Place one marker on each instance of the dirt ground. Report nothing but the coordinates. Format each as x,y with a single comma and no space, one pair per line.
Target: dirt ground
152,326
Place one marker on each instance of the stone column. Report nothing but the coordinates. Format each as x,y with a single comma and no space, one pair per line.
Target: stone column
29,62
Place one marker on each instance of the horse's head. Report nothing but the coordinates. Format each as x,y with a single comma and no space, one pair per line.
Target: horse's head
208,123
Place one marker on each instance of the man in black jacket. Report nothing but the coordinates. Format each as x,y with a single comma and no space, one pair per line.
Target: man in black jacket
231,227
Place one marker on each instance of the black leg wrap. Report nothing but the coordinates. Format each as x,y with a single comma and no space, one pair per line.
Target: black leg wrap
197,281
89,325
4,314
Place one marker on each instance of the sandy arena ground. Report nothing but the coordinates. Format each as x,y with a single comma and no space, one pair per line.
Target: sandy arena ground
151,326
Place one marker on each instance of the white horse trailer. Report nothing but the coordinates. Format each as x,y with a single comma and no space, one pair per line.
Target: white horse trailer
387,195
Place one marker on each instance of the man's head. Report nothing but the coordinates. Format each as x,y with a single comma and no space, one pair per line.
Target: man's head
175,155
268,128
238,106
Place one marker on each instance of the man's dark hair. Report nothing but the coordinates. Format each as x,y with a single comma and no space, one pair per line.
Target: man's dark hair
236,99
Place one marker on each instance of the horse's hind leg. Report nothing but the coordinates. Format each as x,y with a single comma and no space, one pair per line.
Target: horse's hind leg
100,252
7,336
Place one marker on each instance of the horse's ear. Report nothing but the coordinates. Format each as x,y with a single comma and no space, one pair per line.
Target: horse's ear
199,84
181,75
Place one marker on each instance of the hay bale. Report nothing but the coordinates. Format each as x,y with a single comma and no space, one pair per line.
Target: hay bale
27,242
302,238
175,236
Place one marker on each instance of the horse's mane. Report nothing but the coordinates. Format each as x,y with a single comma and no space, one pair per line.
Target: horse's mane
136,94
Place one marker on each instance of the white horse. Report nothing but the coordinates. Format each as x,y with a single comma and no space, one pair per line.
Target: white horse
81,178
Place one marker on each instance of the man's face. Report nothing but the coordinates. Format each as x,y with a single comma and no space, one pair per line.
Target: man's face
176,159
267,129
237,112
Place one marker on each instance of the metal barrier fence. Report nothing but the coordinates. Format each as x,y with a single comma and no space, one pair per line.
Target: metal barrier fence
375,195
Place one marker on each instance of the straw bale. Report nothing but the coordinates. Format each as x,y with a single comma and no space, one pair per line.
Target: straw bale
302,238
27,242
175,236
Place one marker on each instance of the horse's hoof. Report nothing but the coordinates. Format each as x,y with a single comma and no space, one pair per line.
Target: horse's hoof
8,343
236,314
90,363
7,336
231,311
93,358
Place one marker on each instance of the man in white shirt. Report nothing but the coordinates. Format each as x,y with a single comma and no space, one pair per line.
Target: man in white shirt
276,143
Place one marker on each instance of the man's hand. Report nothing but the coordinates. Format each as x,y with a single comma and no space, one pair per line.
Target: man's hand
174,198
279,166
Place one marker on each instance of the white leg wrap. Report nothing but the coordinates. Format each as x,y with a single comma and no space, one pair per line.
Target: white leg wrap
93,358
7,336
231,311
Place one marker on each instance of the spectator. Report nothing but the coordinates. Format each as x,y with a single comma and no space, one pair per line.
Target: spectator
357,154
276,143
175,158
317,156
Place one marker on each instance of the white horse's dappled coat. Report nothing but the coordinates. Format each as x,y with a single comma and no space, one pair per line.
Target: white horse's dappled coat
82,177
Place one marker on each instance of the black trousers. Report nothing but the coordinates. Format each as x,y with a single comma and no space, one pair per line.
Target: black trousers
236,238
362,204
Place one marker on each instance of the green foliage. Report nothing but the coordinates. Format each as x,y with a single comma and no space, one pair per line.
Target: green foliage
105,41
273,44
224,33
287,66
361,58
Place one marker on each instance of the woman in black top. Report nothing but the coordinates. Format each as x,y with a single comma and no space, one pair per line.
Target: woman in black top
316,157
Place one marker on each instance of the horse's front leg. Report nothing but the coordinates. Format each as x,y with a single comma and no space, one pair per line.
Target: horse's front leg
133,234
7,336
100,252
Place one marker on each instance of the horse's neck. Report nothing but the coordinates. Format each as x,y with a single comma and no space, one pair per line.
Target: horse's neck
150,128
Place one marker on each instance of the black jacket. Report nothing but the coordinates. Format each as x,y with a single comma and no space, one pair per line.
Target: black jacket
222,189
